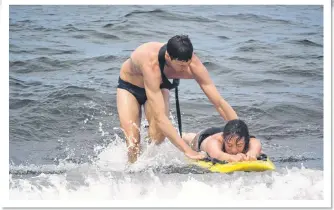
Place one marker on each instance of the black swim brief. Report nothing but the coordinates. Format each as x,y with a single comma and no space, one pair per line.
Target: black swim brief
138,92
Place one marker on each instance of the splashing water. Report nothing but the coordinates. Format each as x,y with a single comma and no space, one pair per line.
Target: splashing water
161,172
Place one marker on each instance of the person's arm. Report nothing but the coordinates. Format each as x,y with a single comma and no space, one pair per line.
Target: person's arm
154,95
222,156
202,77
254,150
213,148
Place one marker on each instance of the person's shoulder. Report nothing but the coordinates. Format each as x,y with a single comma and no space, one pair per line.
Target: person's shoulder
154,43
150,46
219,137
145,54
149,50
216,136
195,62
195,58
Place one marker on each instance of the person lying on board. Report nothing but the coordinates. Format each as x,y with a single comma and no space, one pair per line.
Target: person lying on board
231,143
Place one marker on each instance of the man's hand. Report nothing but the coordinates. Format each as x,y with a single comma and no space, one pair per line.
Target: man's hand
251,155
195,155
237,158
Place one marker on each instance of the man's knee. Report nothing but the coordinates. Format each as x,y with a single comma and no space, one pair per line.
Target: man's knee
130,127
130,130
156,136
160,138
132,141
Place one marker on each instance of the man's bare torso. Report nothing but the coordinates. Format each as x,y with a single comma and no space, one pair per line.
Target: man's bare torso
147,54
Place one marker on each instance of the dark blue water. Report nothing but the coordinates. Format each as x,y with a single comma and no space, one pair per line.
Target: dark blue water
266,61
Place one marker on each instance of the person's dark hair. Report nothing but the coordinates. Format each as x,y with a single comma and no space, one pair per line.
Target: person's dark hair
179,47
237,128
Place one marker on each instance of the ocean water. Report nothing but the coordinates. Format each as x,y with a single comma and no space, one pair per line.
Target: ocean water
64,135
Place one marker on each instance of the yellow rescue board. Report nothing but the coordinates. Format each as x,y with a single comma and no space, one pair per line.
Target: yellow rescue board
258,165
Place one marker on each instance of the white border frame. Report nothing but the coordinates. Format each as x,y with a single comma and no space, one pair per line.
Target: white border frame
161,203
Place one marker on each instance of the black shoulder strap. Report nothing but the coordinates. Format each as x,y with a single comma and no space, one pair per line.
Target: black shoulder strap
165,82
161,58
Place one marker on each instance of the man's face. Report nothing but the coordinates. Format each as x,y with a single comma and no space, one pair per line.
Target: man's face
234,146
180,66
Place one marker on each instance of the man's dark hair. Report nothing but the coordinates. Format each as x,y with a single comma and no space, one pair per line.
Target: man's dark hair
179,47
237,128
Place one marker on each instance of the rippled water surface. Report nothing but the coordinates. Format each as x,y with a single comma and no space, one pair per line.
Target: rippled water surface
65,142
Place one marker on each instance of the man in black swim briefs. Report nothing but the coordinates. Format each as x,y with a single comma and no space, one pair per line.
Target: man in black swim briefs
144,80
230,143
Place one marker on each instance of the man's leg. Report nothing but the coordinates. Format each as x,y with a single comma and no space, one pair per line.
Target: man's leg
129,112
155,133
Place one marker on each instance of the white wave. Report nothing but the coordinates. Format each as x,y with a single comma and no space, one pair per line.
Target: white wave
111,178
289,184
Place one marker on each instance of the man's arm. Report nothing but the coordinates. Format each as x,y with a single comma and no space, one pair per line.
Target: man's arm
152,78
202,77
